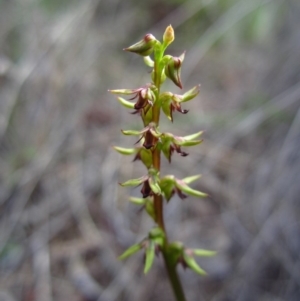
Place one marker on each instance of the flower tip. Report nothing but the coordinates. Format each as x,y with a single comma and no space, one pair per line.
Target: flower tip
168,36
149,37
177,82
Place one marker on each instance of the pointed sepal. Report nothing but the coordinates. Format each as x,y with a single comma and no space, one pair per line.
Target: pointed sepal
192,93
192,136
191,179
131,132
173,69
123,91
125,151
204,253
192,264
130,251
125,103
134,182
187,143
188,140
182,186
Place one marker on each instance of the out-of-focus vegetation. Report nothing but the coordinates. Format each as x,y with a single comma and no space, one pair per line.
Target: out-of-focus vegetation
64,220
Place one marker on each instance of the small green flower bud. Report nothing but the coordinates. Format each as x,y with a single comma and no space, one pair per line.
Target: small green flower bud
145,156
165,100
156,232
146,115
143,47
154,186
175,252
168,36
173,68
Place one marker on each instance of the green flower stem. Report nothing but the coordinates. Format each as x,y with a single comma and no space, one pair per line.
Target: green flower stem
158,200
158,209
174,279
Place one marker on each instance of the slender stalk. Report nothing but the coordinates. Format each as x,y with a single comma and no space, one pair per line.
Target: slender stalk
174,279
158,200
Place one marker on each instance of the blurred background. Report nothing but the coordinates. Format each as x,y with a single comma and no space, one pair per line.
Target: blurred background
64,218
